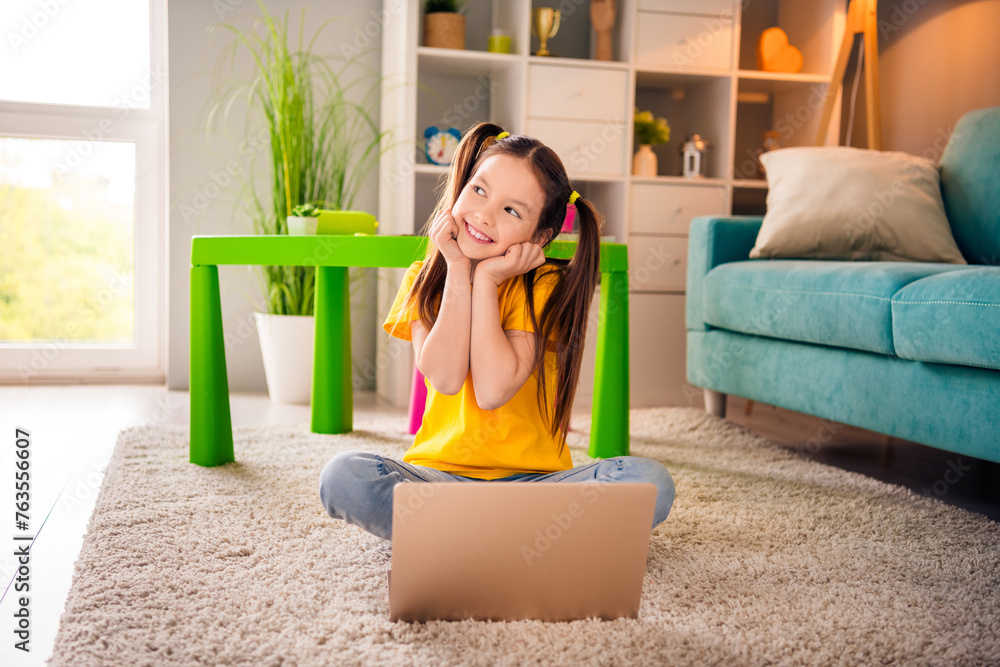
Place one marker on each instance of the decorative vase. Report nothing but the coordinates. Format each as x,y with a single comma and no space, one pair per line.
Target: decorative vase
444,30
644,162
286,344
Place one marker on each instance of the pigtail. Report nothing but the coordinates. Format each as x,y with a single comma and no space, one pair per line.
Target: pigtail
565,319
428,286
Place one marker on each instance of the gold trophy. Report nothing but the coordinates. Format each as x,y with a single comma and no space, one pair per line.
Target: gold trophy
544,26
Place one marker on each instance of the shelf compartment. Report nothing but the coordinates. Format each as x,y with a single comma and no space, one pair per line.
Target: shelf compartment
791,108
450,99
749,201
814,28
692,105
575,39
480,20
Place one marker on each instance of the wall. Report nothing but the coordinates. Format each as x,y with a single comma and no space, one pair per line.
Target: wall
208,175
938,59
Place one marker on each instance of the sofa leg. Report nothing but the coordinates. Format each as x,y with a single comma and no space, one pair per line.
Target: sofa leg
715,403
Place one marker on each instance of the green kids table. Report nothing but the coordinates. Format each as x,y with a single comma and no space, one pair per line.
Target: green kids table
332,403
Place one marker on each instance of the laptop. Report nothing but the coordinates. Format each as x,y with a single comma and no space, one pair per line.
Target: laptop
511,551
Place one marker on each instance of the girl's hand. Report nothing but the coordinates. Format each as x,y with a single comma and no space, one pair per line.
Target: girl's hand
519,259
444,234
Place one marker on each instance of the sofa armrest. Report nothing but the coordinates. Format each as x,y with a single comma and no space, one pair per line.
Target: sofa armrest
714,240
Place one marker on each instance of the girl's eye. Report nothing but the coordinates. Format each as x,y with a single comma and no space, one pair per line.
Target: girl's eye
478,190
513,212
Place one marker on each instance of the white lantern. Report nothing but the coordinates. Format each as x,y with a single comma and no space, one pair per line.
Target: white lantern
695,153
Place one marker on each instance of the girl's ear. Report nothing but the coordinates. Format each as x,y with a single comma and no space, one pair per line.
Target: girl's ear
543,236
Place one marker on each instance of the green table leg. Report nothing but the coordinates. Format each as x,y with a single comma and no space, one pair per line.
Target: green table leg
211,422
332,401
609,427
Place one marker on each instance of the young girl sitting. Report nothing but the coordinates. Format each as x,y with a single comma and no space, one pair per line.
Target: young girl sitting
498,333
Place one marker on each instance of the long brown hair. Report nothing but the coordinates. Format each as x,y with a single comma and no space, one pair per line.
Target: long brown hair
564,317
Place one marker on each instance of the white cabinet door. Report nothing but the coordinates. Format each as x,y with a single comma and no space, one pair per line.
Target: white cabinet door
668,209
683,41
586,148
657,351
657,263
577,93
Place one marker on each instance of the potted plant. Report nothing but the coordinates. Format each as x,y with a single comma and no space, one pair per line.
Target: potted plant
324,144
444,25
649,131
303,219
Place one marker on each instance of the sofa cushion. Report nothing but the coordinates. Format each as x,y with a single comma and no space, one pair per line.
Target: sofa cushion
970,185
839,202
844,304
951,318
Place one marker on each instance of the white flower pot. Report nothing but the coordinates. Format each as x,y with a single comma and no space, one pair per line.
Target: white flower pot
301,226
286,343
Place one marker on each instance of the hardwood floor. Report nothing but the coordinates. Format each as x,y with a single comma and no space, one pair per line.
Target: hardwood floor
959,480
74,430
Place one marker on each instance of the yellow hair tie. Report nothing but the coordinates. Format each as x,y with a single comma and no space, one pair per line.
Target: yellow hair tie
573,197
502,135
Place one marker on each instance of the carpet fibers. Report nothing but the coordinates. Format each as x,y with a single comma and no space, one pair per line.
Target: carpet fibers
766,559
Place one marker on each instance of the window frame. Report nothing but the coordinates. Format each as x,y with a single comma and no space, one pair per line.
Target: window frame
60,360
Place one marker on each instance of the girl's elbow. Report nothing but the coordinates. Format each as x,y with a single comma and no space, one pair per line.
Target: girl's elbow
439,380
446,388
488,405
443,385
491,400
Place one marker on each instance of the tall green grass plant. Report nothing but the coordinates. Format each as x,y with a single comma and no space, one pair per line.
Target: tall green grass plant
324,142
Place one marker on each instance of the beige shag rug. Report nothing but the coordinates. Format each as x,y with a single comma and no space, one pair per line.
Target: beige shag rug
766,559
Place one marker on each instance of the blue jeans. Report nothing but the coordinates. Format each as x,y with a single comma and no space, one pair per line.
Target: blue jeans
356,486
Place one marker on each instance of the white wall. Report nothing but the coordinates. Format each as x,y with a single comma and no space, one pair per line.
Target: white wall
208,174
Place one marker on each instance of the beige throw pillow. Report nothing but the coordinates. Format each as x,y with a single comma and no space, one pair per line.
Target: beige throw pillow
850,203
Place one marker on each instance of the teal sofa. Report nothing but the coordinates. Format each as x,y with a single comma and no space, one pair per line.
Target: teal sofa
907,349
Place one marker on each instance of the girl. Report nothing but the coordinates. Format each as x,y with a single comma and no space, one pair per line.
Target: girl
498,333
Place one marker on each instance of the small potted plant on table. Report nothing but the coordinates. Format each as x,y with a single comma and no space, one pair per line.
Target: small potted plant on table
302,221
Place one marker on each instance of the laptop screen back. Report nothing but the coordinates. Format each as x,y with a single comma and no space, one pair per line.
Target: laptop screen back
507,551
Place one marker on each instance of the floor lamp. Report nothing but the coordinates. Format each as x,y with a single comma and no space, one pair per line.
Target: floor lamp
862,20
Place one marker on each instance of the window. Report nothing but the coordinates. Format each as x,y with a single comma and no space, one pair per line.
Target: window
82,190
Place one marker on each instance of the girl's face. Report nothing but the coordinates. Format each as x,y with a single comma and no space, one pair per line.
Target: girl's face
498,208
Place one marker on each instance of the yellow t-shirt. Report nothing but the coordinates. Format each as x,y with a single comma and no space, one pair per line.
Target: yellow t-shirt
457,435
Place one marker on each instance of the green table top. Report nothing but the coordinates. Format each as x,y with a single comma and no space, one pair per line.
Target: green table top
358,251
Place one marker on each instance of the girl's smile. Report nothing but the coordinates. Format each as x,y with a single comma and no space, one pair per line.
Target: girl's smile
477,235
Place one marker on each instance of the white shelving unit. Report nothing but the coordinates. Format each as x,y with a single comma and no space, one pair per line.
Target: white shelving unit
691,61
